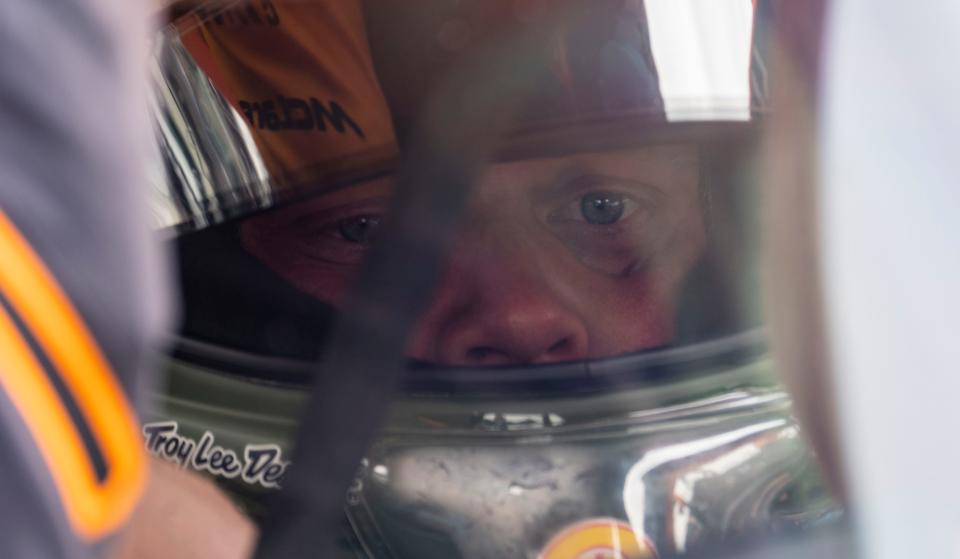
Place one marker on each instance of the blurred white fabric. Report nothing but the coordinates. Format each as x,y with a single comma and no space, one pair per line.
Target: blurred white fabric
890,180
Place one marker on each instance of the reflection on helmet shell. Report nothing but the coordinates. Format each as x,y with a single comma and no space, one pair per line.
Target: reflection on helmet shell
702,451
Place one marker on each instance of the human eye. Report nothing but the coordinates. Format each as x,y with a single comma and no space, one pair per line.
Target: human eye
598,208
338,236
601,203
359,229
605,221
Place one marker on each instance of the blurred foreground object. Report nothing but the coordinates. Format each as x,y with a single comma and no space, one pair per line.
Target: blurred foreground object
890,240
865,265
84,297
82,284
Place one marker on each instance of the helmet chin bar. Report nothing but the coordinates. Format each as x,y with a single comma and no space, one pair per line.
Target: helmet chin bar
642,369
705,454
718,469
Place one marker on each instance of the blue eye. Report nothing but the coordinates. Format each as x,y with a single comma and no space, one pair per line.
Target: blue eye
602,208
360,229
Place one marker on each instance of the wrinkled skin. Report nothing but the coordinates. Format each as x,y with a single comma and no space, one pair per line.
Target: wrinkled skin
563,258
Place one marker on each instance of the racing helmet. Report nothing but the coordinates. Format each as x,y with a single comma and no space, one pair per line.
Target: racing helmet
475,278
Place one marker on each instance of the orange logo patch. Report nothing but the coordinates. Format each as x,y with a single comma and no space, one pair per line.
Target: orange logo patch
599,538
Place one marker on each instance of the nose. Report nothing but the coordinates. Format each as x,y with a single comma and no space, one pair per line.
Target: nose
496,306
531,333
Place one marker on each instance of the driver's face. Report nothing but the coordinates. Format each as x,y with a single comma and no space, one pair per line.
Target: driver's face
563,258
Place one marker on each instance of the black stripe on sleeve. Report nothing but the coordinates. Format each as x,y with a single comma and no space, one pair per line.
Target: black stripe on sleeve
66,397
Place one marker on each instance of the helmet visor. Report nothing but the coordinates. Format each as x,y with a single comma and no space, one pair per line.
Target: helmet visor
594,296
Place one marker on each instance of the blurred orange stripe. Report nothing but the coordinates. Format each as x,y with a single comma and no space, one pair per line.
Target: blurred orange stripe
94,509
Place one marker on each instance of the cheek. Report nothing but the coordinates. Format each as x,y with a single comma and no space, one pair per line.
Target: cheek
680,249
625,315
328,284
638,312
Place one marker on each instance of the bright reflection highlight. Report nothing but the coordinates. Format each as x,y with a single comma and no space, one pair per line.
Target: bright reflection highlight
635,490
702,52
685,486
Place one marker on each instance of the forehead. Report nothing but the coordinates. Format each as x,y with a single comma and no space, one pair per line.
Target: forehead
658,163
667,161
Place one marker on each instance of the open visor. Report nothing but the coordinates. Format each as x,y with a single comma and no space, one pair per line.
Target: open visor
260,102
